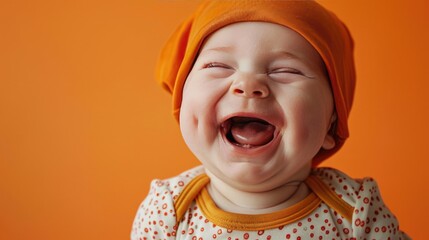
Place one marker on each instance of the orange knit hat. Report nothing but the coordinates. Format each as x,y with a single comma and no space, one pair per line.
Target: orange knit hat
320,27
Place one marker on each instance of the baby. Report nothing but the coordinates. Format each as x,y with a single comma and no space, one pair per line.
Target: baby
262,91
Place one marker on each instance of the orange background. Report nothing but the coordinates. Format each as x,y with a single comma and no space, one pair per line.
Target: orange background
84,127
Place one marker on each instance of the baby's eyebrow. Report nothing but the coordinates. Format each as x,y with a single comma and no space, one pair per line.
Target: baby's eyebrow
226,49
289,55
277,53
286,54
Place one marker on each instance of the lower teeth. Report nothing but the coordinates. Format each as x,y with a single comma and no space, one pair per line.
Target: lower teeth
243,145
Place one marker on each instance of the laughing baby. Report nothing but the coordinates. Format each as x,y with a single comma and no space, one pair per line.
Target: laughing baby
262,91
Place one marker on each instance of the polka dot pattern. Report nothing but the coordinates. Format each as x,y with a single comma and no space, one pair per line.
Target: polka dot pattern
156,218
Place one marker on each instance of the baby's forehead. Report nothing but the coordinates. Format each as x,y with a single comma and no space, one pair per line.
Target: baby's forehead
265,38
229,33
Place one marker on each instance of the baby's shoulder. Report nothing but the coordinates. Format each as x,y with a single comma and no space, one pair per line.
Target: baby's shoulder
369,215
349,189
157,214
175,185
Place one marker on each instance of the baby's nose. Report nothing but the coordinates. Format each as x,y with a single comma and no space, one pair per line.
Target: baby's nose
250,86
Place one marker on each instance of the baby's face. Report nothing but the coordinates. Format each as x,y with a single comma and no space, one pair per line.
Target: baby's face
257,105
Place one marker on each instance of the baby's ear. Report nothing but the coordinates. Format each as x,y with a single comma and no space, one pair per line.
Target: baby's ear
329,141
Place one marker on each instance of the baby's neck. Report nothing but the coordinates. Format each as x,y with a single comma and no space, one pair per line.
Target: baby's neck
234,200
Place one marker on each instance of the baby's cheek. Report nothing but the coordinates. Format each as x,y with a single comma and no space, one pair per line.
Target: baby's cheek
304,131
195,124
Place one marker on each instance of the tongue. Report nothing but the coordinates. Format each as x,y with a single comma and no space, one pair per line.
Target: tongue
252,133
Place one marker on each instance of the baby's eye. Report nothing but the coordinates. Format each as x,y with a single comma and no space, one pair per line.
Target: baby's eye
285,71
216,65
217,70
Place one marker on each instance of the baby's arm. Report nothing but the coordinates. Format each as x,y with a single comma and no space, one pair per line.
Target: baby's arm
372,219
155,218
369,217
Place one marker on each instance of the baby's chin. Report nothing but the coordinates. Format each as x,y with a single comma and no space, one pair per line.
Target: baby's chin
247,176
259,176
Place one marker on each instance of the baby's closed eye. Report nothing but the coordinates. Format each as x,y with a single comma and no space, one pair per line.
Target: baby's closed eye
216,70
216,65
285,70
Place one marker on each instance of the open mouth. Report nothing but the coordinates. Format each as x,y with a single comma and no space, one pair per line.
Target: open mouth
248,132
